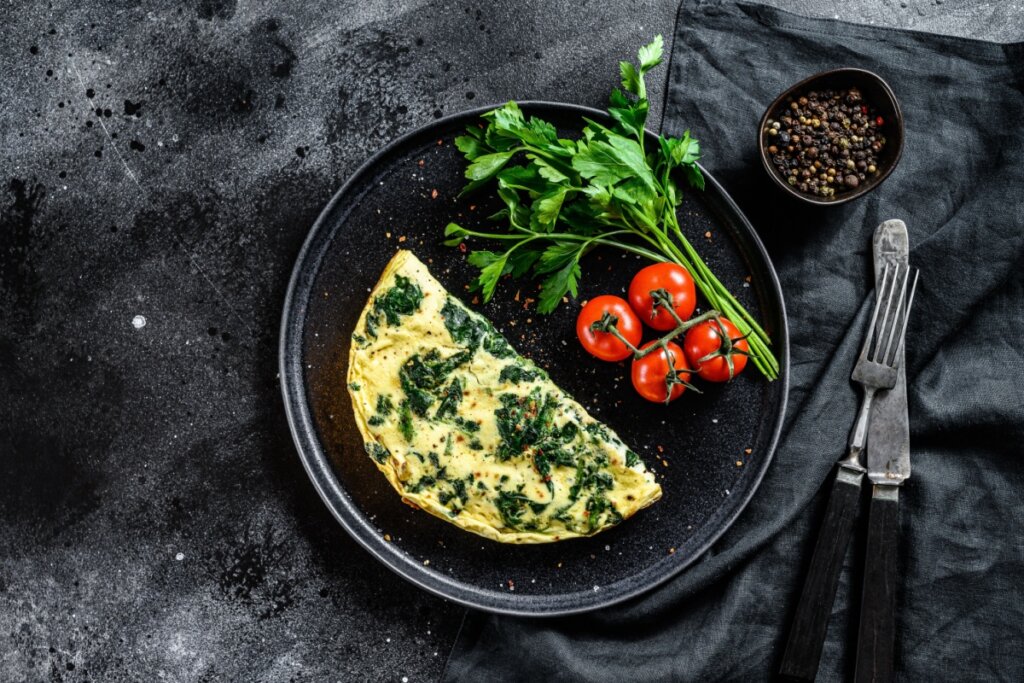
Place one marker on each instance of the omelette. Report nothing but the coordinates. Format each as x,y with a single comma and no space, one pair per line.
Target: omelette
465,428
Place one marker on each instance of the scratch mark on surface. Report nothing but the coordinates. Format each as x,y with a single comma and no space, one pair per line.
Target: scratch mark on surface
127,168
181,242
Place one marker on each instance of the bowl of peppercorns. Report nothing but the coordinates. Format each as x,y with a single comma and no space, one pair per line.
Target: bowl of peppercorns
832,137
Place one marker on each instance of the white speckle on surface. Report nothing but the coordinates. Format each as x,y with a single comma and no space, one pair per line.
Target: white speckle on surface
405,679
714,420
597,588
179,557
387,640
139,321
607,547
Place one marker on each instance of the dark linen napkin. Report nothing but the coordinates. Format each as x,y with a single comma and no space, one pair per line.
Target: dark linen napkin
960,189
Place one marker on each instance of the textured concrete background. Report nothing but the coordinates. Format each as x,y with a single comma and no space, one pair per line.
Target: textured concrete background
161,166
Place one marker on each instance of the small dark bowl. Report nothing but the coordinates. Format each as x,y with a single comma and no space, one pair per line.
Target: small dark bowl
878,93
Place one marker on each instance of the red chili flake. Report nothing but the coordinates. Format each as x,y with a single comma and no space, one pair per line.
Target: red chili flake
433,194
441,142
421,163
880,120
547,477
462,247
863,109
586,513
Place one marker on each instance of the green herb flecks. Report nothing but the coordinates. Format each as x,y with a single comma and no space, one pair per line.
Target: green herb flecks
467,426
450,400
421,377
609,187
523,421
384,408
590,476
376,451
473,332
597,507
464,328
515,373
632,459
405,425
511,507
401,299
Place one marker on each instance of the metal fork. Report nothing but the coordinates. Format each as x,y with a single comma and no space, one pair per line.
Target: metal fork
878,361
875,371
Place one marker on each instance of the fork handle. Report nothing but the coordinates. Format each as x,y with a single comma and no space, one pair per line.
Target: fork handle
876,636
810,624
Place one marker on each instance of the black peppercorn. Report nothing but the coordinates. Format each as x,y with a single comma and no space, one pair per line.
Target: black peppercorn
825,142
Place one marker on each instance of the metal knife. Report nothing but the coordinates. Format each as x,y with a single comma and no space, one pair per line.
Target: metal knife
888,449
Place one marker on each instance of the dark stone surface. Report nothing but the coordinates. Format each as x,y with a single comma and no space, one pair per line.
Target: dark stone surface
165,163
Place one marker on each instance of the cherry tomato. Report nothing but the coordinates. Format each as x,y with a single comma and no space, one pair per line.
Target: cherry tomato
706,339
650,372
670,277
605,345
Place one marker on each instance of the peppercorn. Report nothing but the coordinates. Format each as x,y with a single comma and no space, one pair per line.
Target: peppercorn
821,140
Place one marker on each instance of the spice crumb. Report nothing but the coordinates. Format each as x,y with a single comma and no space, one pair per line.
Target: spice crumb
671,551
748,451
387,537
433,194
739,463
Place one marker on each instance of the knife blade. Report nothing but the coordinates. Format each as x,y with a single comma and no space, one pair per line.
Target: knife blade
888,443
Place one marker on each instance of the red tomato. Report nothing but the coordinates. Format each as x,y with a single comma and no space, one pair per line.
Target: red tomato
670,277
605,345
651,371
706,339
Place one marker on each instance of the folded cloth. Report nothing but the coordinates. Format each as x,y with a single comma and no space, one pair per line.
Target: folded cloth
960,189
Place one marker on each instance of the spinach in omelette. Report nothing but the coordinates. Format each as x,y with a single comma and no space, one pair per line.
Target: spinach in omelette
465,428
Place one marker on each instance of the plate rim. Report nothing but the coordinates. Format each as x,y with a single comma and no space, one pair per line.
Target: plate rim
317,463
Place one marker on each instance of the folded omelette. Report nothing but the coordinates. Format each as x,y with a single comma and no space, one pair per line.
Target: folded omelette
470,431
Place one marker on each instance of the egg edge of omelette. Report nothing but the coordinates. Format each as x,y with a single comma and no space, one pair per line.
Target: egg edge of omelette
499,482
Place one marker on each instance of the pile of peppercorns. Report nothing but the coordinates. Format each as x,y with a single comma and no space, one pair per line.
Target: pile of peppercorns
826,142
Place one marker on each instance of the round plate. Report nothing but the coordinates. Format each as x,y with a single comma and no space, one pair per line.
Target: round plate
709,450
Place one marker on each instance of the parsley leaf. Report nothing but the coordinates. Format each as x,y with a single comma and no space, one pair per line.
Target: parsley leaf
609,186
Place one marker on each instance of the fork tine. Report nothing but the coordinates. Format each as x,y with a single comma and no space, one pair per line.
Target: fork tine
874,316
906,317
896,316
885,316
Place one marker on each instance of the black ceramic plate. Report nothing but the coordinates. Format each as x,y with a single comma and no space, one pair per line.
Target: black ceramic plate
402,198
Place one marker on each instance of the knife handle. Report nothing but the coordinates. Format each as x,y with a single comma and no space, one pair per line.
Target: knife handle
810,624
876,636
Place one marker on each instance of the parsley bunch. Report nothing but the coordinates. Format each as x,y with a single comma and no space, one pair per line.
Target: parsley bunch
565,197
